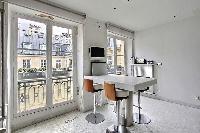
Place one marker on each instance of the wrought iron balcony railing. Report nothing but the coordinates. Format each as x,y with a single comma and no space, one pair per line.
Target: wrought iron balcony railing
32,92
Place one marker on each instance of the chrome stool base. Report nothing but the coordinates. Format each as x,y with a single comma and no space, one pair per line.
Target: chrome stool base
121,129
142,120
95,118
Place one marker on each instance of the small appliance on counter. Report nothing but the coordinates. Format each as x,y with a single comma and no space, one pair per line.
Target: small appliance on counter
140,61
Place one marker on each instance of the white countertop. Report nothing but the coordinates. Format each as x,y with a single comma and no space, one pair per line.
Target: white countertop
129,83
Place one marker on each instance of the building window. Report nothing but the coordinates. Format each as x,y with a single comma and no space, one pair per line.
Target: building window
58,64
27,63
115,56
43,63
42,46
58,51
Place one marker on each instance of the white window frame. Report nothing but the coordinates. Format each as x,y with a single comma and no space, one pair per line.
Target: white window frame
58,64
26,63
49,96
43,63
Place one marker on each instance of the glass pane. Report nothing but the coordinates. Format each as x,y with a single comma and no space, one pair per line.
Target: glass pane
31,74
110,56
120,65
120,47
62,64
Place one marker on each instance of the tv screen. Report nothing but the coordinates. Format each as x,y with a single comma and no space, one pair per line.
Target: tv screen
97,52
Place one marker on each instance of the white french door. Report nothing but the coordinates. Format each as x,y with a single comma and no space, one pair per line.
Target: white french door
44,58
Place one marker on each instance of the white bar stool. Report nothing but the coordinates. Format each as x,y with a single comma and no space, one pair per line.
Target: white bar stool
113,95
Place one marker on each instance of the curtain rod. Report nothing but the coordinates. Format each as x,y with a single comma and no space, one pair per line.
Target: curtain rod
119,27
84,16
52,4
61,7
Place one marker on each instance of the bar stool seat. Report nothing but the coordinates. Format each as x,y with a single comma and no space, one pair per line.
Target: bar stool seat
89,86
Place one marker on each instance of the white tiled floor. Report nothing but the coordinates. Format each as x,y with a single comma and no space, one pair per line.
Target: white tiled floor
166,118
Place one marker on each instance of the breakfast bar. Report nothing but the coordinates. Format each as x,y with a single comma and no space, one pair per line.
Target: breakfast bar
128,83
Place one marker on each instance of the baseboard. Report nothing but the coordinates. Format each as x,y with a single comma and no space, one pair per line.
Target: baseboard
32,117
153,96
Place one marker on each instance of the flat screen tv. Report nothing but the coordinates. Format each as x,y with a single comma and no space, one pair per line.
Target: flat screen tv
97,52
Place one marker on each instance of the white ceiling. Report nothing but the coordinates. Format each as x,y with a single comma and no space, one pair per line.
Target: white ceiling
135,14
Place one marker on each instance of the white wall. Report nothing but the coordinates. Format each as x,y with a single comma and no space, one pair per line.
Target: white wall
94,34
177,46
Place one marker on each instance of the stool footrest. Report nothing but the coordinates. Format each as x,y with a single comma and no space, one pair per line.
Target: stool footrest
137,106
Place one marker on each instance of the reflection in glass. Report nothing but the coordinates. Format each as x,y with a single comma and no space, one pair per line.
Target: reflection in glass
115,56
62,64
31,68
110,56
120,47
120,69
